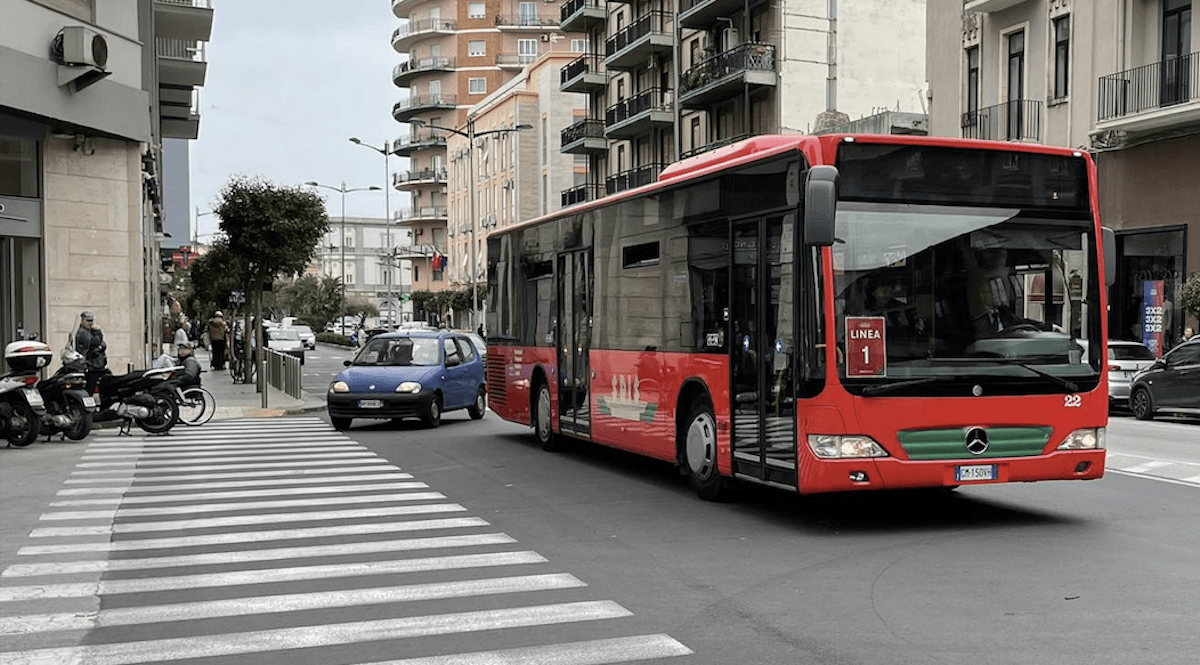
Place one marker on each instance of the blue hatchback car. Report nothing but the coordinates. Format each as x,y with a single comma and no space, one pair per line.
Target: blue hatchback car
410,374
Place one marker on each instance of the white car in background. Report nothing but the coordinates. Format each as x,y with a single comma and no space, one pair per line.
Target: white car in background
285,340
307,336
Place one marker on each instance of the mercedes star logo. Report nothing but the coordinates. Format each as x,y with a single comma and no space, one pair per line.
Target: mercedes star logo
977,440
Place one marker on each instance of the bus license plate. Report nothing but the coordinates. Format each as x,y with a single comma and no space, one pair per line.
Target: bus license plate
370,404
966,474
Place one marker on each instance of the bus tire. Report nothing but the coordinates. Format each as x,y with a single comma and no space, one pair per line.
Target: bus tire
541,414
700,452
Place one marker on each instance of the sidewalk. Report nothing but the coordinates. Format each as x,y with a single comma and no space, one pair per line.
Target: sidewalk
238,400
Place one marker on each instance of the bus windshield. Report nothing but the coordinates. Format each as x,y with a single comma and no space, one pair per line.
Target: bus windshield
1002,298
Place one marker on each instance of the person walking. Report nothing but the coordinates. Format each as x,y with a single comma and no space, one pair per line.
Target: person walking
181,333
218,334
89,343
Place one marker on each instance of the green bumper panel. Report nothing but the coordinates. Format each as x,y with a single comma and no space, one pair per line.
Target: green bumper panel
941,444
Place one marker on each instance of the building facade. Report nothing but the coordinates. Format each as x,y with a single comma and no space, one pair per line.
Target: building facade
359,251
89,90
1120,79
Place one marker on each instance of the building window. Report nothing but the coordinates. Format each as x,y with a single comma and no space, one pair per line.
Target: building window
476,47
527,13
972,86
526,50
1062,55
1176,49
349,241
19,170
1016,83
476,10
579,45
477,86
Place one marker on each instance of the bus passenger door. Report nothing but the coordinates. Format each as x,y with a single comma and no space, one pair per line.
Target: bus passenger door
574,335
762,350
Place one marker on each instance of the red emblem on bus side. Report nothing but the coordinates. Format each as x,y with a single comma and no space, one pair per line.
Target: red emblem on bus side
865,346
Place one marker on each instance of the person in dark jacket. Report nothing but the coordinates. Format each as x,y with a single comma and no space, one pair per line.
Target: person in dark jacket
191,367
89,343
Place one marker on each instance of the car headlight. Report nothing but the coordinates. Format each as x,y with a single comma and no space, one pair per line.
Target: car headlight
339,387
829,446
1091,438
409,387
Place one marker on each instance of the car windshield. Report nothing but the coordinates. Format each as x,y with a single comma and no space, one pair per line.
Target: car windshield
400,352
303,330
954,294
284,334
1129,352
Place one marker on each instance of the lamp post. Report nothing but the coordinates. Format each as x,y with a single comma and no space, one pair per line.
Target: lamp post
471,135
387,206
342,244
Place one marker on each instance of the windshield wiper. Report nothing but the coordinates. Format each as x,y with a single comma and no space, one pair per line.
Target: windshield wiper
1065,383
882,388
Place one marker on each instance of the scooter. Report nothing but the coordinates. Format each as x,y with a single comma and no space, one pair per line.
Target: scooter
145,397
21,406
69,407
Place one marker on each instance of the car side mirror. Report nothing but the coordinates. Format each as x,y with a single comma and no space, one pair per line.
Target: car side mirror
345,363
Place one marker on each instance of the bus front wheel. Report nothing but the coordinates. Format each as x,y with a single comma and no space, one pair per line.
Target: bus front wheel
700,452
541,418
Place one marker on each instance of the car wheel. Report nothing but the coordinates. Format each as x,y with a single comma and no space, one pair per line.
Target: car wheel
340,424
700,452
433,413
1141,404
479,407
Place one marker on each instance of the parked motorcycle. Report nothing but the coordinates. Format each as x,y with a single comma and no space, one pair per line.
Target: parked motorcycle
69,407
21,405
145,397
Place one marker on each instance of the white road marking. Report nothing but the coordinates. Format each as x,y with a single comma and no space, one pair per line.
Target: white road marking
1147,466
592,652
232,449
238,474
390,488
394,473
147,473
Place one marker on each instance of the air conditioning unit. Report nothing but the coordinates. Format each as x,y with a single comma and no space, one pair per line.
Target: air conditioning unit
545,36
729,39
77,45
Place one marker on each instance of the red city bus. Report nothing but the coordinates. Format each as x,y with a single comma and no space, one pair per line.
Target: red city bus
819,314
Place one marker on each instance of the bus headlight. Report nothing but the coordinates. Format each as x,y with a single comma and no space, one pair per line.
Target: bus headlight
828,446
409,387
339,387
1091,438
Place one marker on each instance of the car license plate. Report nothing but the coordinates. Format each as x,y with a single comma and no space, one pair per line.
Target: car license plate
370,404
89,401
966,474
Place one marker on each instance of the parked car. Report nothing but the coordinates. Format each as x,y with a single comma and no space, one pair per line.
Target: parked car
285,340
307,336
409,374
1125,359
1171,384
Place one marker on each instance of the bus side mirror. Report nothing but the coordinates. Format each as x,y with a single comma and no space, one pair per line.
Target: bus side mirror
1110,255
820,205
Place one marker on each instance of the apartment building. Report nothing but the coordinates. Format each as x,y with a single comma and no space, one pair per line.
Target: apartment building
89,92
1119,78
366,253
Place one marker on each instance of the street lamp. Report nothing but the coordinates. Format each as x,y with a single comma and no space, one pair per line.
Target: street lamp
387,206
343,191
471,135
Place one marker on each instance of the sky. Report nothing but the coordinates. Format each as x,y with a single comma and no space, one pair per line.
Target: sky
289,81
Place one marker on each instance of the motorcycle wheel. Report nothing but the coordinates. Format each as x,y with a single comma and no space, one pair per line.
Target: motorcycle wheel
23,425
81,420
162,416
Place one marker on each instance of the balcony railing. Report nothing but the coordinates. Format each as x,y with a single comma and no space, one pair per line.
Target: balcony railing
514,60
1149,87
426,212
652,99
582,194
584,64
423,101
420,175
525,20
418,139
569,9
1018,120
422,65
642,175
648,23
422,26
588,128
741,58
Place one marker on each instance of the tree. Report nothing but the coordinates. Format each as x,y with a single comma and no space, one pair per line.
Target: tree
1189,295
362,309
315,300
269,230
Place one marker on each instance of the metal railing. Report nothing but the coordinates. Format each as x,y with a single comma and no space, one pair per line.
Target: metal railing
588,128
1018,120
1149,87
588,62
743,57
642,175
283,373
582,194
646,24
568,9
526,20
661,99
424,25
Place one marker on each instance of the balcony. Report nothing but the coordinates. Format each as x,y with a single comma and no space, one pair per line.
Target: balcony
704,13
583,137
420,215
405,109
728,74
582,194
642,175
581,15
419,177
646,38
402,8
405,35
407,71
639,114
1018,120
418,140
183,19
988,6
1152,97
510,61
181,69
583,74
522,21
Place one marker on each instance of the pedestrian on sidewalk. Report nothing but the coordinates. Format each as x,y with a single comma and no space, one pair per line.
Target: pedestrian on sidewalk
89,343
218,336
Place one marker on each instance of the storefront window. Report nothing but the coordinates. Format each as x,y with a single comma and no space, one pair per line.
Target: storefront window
1145,301
18,167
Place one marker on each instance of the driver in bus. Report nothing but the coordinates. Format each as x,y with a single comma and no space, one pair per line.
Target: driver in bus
995,317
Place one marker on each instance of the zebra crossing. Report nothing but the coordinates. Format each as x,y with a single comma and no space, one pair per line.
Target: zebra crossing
269,540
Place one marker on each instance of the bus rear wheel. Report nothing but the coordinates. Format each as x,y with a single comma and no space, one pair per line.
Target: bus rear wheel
541,418
700,452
